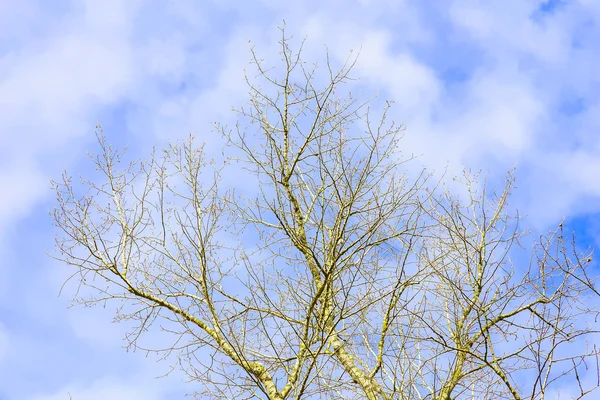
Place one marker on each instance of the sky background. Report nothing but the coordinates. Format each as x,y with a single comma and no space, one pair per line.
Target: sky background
484,84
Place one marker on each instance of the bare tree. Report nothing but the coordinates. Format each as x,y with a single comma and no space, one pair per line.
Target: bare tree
354,279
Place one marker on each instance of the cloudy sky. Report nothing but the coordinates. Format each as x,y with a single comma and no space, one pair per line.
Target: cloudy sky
482,84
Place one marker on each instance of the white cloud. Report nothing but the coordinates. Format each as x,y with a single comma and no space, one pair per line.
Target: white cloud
412,84
47,92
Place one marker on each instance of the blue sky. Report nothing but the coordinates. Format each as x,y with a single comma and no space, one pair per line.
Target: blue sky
481,84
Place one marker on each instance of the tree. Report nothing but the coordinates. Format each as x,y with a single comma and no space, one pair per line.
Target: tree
354,278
